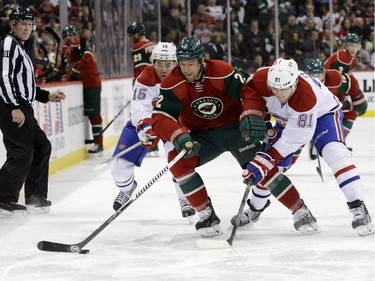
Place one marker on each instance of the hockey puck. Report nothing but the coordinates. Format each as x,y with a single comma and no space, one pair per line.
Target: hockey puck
84,251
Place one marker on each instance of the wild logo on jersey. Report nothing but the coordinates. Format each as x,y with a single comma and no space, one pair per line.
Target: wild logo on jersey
207,107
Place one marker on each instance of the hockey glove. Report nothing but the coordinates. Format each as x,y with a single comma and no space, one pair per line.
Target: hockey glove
273,133
184,141
346,104
359,104
258,168
252,127
145,133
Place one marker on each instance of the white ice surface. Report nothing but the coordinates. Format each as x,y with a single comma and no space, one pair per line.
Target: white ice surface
151,241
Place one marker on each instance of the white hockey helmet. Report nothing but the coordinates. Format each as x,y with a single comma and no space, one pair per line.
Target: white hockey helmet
283,74
164,51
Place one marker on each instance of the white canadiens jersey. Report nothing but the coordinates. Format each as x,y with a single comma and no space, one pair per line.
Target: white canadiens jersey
145,91
299,115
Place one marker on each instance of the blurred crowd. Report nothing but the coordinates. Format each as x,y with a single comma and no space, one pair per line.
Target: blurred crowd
304,31
46,12
304,28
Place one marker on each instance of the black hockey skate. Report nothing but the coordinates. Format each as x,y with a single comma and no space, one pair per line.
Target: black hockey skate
123,197
361,218
12,208
208,224
304,221
96,149
37,204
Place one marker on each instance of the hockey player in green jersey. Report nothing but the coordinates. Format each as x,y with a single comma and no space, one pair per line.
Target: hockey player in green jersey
200,102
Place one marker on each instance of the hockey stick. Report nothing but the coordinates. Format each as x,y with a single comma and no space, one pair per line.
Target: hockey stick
220,244
104,164
57,38
314,156
319,168
77,248
110,123
61,72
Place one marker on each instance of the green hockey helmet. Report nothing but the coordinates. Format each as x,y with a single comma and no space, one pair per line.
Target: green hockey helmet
69,29
190,49
352,38
315,66
136,27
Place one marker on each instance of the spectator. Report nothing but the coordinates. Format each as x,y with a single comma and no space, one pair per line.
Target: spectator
255,39
173,22
240,54
336,18
369,42
256,63
214,10
290,28
251,10
294,49
239,10
372,61
89,40
309,13
312,47
153,36
215,48
326,41
360,28
363,59
202,32
344,30
5,12
202,15
235,25
309,28
323,56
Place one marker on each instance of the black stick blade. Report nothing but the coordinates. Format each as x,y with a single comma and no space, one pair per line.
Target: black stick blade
58,247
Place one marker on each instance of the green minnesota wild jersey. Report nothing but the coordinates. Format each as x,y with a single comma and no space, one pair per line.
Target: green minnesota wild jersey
212,102
141,52
341,60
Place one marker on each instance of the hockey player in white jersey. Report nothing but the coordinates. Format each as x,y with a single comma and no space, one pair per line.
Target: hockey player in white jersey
145,93
305,109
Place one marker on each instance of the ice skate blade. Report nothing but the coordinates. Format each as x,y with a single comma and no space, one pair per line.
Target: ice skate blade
95,155
31,209
309,229
210,231
13,214
365,230
190,219
211,244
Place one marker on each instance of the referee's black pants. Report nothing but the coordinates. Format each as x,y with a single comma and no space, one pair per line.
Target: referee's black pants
28,153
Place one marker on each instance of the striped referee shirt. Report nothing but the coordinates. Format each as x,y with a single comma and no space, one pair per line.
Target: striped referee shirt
17,83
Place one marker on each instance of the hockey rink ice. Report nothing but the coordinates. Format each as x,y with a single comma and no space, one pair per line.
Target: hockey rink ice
151,241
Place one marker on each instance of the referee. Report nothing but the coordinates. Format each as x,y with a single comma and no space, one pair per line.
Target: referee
27,146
